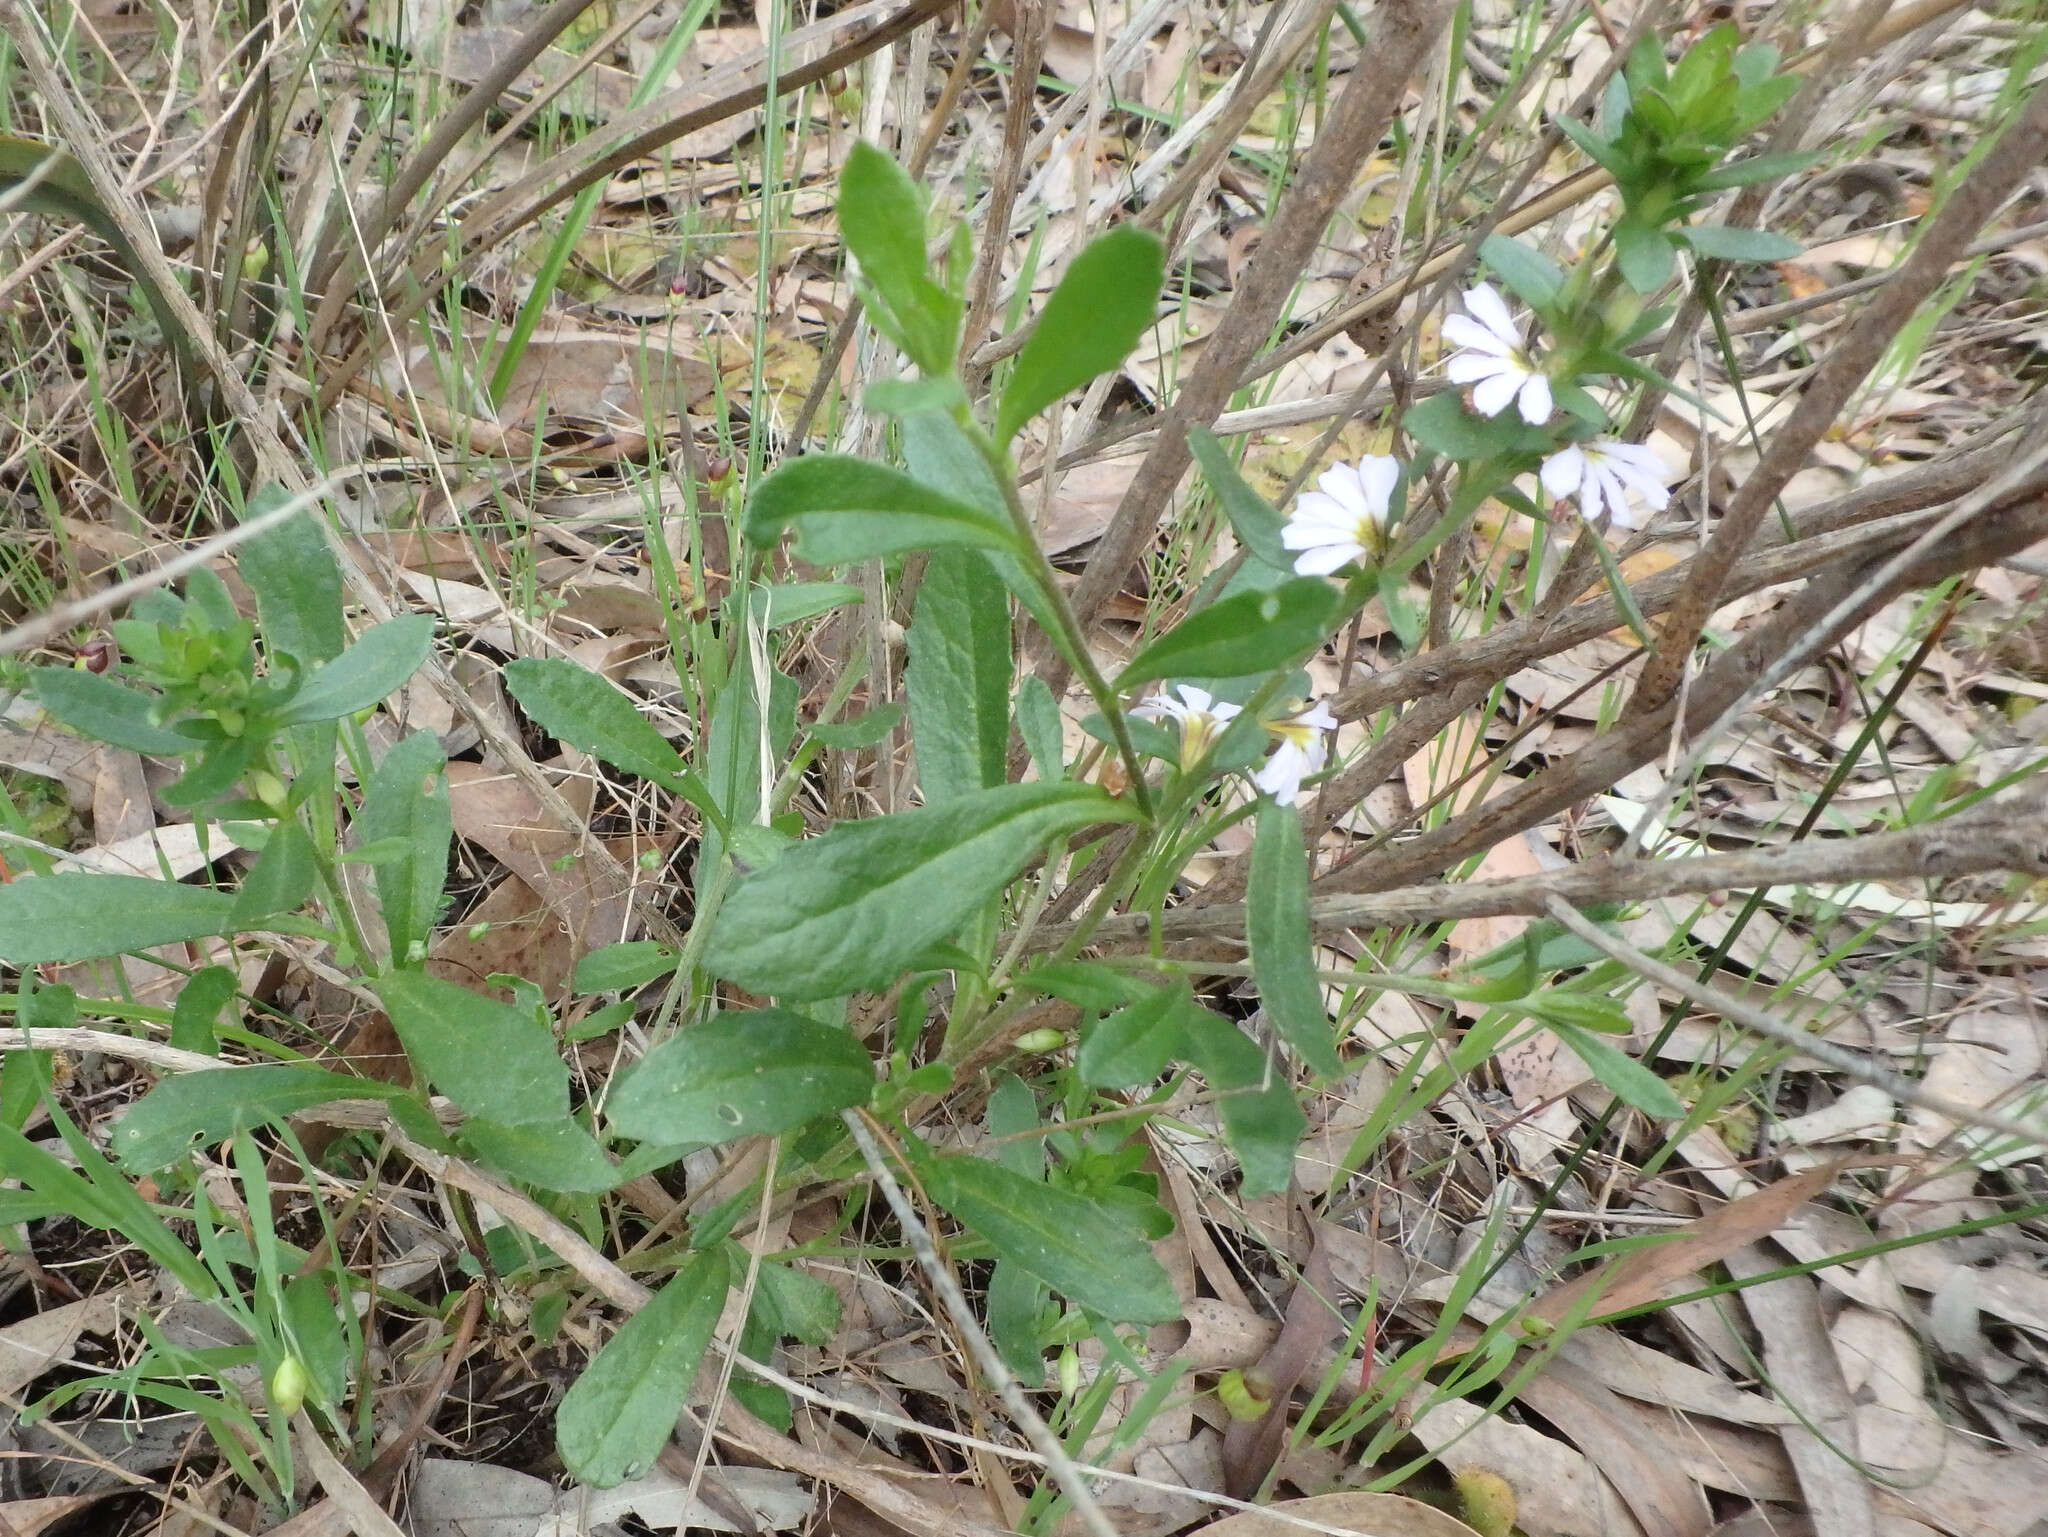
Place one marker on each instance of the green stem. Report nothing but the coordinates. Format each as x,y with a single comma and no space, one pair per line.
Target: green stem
1069,635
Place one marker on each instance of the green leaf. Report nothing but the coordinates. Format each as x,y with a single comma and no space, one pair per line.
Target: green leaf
550,1155
1277,929
1727,242
1597,149
1104,303
731,756
616,1418
797,1304
959,677
576,706
1261,1120
1012,1112
1038,722
1631,1082
189,1109
792,602
1644,255
1528,273
1067,1241
382,658
907,397
98,707
941,454
283,878
490,1058
200,1001
845,509
101,1197
1084,984
82,917
1443,425
864,730
1252,518
881,219
1253,632
1757,168
1135,1043
741,1075
296,581
406,801
849,910
1016,1307
620,968
1582,1010
316,1338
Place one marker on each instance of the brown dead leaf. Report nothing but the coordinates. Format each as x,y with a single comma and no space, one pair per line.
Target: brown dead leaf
35,1344
31,1518
1642,1274
1251,1447
1383,1515
1558,1493
1619,1440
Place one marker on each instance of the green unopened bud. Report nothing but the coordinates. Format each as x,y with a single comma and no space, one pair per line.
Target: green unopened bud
288,1386
255,259
268,788
1070,1370
1487,1501
1245,1395
1047,1039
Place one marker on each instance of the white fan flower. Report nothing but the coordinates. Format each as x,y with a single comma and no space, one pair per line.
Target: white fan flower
1602,472
1199,714
1495,362
1344,518
1302,751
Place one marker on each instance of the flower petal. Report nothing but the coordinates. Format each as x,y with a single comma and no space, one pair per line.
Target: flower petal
1492,396
1484,303
1281,775
1377,476
1536,400
1563,471
1464,331
1322,559
1471,367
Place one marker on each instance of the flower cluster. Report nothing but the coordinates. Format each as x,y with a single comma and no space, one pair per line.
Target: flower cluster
1302,749
1343,521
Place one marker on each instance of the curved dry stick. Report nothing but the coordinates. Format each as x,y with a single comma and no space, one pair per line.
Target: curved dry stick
1839,376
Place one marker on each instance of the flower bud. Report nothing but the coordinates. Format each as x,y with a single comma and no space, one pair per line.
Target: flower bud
1246,1395
1070,1370
1042,1040
288,1386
